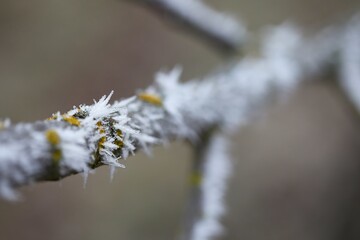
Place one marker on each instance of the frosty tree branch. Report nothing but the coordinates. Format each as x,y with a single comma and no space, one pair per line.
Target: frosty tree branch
89,136
350,62
211,170
203,20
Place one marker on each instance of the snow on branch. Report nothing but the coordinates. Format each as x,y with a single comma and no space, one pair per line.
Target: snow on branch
350,61
219,28
209,183
89,136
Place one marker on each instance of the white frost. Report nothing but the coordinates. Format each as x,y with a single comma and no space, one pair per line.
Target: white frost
216,172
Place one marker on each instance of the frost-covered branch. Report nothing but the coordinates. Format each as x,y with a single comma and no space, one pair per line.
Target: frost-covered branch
350,62
219,28
208,180
102,134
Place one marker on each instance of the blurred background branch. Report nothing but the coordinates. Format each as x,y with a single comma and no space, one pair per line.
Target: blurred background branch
203,21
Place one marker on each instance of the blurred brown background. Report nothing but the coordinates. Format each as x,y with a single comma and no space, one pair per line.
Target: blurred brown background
296,172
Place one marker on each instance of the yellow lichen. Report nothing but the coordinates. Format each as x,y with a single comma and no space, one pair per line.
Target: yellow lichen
56,155
52,137
150,98
119,143
101,142
100,127
53,117
2,125
71,120
119,132
195,179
